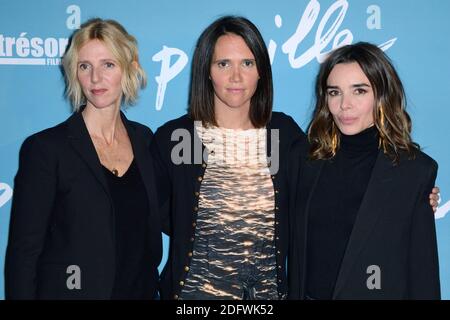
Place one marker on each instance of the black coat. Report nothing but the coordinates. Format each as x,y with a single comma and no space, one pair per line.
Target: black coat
394,230
179,187
62,215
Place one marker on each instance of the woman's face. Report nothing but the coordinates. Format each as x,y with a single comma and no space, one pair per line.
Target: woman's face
350,98
233,73
99,75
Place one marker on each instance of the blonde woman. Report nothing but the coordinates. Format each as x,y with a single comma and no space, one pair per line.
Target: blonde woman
84,220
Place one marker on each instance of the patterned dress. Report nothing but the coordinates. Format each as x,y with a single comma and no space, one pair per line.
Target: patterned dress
234,250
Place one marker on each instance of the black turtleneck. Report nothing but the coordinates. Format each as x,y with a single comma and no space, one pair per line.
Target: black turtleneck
334,206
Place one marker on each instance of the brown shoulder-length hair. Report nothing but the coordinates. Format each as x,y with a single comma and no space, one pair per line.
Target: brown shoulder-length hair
201,94
389,114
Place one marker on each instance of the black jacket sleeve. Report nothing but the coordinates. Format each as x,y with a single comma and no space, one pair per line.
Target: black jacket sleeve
424,265
33,198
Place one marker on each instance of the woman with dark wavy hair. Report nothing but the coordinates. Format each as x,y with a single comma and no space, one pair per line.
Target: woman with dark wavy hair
362,225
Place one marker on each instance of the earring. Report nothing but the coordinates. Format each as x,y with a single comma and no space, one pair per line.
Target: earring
381,116
334,139
381,141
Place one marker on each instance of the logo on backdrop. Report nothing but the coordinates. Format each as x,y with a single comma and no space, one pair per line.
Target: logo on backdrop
5,193
442,211
322,36
332,19
28,49
168,71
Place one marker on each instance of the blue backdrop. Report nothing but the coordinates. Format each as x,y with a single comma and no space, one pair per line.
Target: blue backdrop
33,36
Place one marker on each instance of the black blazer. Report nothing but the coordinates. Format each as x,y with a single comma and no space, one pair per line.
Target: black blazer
179,187
62,215
394,230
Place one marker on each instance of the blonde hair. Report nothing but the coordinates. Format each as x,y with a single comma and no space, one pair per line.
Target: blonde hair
123,46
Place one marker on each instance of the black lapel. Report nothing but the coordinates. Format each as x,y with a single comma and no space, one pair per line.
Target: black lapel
371,207
141,153
80,140
197,163
273,145
310,174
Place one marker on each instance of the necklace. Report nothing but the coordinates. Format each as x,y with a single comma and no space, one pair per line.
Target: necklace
115,172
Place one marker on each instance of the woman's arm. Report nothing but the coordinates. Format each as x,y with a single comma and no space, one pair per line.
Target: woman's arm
33,198
423,262
434,198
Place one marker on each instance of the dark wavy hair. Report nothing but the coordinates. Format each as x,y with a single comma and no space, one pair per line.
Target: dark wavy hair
201,95
389,114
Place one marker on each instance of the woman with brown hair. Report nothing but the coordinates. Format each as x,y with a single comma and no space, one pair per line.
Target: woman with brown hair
223,187
362,225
